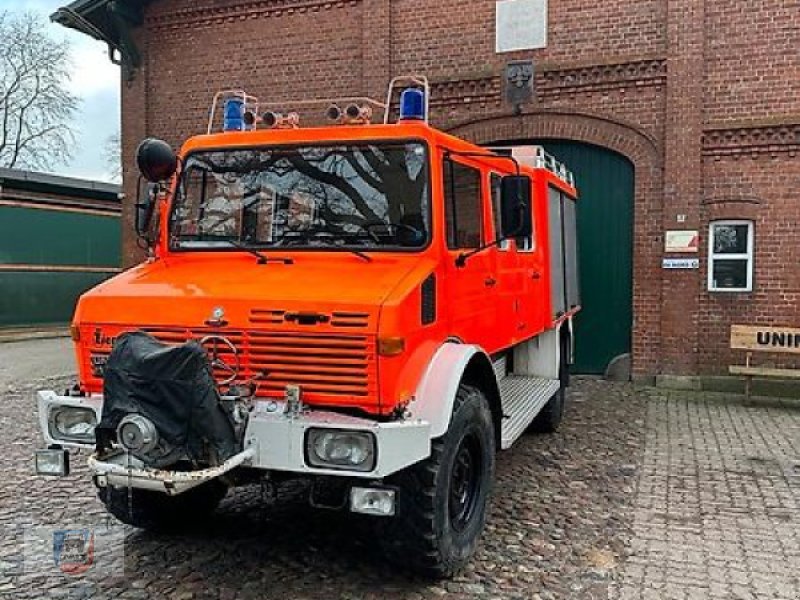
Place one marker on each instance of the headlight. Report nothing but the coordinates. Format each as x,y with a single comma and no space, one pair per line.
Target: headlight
137,434
72,424
338,449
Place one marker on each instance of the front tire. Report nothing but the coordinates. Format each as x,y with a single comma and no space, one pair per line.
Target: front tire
445,498
156,511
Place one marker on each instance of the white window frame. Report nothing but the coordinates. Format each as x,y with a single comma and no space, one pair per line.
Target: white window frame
748,256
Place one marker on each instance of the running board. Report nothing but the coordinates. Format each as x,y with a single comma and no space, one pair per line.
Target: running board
522,398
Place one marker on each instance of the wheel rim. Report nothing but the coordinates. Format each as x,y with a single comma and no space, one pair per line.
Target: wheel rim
465,482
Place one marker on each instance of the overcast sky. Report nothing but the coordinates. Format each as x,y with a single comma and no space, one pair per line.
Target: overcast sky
96,81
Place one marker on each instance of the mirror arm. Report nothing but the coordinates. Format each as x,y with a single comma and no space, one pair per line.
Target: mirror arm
461,259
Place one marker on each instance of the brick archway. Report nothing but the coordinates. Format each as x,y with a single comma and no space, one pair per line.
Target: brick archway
642,150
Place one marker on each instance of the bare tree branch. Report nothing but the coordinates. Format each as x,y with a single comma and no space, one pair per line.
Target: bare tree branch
36,108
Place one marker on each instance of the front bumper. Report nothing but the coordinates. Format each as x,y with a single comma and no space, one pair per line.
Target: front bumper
274,440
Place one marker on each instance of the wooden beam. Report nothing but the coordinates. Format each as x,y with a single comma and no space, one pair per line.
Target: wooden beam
765,372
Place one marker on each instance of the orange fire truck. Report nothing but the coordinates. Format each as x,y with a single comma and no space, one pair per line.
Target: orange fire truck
376,308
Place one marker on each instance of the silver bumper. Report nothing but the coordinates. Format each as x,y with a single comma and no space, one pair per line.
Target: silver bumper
115,472
273,440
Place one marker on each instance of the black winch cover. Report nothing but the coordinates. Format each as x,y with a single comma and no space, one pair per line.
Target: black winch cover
173,386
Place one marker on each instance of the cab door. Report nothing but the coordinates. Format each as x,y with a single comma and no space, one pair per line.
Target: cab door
533,300
509,274
472,288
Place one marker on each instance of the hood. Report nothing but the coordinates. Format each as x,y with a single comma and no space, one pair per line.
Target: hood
197,290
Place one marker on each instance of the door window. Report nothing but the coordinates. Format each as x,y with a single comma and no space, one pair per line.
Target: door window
463,210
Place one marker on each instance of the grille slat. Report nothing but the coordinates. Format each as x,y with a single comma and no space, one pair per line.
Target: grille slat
329,367
343,319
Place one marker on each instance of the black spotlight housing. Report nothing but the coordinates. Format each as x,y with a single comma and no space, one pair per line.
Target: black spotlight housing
353,111
334,113
270,119
156,160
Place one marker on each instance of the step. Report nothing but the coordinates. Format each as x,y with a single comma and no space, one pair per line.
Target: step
522,399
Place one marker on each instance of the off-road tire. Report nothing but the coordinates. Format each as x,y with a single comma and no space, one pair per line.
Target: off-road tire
549,418
439,517
156,511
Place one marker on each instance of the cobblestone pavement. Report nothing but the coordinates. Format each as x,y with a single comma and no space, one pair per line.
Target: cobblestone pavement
716,509
589,512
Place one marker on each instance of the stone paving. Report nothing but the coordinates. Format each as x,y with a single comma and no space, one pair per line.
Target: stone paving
716,509
641,494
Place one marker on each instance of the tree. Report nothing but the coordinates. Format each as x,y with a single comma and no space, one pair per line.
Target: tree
112,154
36,109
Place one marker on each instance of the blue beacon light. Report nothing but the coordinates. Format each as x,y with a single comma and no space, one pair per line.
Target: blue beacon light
233,115
412,105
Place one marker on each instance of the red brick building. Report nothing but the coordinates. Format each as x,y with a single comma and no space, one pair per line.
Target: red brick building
700,99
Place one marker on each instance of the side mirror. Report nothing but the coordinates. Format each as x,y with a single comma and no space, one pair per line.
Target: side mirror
145,207
516,219
156,159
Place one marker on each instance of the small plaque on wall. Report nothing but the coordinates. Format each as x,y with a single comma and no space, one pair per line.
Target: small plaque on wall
681,241
521,25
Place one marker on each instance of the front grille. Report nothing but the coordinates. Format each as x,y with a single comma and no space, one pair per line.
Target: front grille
326,366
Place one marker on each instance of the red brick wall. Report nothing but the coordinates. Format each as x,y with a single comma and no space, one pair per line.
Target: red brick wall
703,97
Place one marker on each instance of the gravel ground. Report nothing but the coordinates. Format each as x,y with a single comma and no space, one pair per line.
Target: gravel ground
561,520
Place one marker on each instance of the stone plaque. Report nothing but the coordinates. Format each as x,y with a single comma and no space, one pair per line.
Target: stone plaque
519,82
521,25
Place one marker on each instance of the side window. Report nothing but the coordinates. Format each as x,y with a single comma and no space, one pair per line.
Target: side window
527,244
463,210
496,187
730,256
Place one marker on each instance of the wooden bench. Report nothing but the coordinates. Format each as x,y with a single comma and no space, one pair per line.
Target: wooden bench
763,339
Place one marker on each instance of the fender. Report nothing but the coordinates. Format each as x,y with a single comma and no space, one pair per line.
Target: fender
436,392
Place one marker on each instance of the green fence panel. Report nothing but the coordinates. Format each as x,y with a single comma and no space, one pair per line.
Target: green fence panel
49,237
42,298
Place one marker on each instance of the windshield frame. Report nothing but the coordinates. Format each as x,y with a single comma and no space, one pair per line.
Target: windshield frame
224,246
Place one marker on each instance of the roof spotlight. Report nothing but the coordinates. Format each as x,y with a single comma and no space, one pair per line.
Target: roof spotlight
270,119
275,120
334,113
250,119
356,114
353,111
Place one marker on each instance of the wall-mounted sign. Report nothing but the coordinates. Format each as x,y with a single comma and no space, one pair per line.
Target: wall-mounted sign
771,338
681,241
680,263
521,25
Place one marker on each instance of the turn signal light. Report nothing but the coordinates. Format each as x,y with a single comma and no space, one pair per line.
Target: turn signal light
391,346
75,333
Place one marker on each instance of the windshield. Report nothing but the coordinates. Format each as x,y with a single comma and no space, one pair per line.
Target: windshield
362,196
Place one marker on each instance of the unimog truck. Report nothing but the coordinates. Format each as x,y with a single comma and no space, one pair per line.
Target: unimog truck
378,309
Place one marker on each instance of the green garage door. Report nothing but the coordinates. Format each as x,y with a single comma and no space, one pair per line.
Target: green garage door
605,182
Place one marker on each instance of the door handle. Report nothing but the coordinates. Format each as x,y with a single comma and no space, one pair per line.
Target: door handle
490,282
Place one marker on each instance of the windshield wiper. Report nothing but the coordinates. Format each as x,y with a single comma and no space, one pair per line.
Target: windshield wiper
262,258
359,254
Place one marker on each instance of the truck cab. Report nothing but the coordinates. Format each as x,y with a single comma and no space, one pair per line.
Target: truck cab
376,308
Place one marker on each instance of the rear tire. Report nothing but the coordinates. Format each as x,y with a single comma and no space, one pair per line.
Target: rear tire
550,417
444,499
156,511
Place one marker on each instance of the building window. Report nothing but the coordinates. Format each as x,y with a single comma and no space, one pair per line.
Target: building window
730,257
463,208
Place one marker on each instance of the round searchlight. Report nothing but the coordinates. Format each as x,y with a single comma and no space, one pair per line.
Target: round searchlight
157,162
137,434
